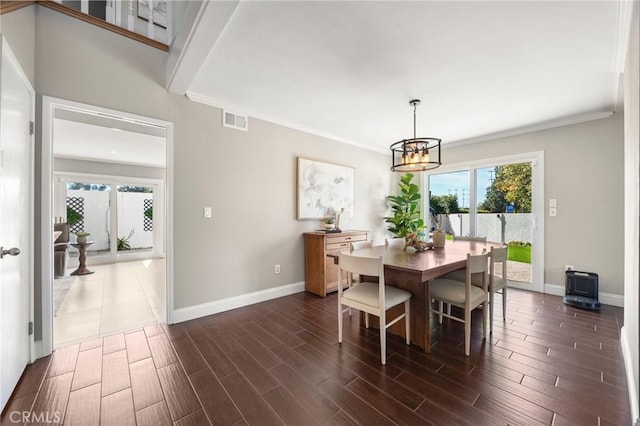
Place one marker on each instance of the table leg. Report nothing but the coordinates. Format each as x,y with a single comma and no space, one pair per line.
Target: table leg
420,307
427,317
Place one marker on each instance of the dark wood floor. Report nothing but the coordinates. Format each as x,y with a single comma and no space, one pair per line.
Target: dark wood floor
279,362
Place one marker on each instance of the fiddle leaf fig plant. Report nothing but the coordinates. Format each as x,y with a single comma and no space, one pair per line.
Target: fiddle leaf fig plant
405,208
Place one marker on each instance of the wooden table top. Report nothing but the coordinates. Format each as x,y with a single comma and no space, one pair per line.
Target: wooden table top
430,263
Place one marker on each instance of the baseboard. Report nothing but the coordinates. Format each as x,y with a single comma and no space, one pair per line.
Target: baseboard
604,298
628,367
198,311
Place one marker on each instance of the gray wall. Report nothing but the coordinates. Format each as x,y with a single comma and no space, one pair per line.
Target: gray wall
252,195
583,171
19,29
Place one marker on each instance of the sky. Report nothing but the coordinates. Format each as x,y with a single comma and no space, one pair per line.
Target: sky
458,183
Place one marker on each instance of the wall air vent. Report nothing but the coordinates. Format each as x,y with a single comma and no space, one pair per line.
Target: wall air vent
240,122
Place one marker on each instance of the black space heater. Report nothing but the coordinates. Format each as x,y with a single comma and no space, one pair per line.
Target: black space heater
581,290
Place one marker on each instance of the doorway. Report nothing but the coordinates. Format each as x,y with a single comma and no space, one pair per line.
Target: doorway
500,199
110,176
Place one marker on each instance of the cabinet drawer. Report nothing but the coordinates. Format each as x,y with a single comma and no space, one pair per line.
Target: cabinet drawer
345,238
337,246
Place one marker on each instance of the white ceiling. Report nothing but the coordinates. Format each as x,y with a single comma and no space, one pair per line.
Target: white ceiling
84,141
348,69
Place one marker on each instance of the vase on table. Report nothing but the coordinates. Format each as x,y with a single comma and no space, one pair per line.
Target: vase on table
439,237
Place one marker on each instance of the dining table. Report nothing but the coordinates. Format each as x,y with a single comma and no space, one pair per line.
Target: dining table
413,270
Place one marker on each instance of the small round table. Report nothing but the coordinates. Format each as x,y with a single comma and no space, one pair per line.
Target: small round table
82,268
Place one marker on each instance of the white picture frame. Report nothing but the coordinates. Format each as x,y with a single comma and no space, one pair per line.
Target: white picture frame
323,188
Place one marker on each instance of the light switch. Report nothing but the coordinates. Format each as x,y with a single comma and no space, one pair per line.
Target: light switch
553,211
553,202
207,212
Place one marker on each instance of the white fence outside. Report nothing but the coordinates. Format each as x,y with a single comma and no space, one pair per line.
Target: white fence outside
130,217
518,226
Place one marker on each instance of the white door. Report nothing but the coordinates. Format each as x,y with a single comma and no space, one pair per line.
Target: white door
16,218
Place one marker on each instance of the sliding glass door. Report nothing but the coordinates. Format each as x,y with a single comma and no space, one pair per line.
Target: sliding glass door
449,202
503,214
122,215
495,201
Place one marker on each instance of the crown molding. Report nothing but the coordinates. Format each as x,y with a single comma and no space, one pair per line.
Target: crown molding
277,120
566,121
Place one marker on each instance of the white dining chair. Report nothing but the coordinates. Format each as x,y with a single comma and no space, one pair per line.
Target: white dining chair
371,297
357,245
394,242
497,283
465,238
464,295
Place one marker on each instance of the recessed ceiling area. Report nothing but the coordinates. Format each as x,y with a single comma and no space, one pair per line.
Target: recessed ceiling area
347,70
84,141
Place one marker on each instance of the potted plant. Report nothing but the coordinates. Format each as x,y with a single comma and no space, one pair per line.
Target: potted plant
329,222
123,242
81,237
405,207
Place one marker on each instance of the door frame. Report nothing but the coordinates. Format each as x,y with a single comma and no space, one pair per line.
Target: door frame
536,158
5,48
49,106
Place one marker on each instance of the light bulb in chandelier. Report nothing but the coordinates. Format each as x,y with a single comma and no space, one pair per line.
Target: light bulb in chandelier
425,154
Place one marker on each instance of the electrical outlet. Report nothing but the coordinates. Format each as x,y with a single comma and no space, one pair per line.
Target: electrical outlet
276,269
568,268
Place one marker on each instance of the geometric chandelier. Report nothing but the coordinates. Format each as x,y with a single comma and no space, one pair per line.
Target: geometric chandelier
416,154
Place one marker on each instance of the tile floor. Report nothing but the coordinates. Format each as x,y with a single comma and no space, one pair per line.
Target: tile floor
116,298
279,362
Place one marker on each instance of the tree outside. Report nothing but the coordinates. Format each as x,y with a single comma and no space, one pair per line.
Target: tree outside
444,204
511,185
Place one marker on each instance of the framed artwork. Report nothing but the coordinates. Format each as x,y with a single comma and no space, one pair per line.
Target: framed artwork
159,12
324,188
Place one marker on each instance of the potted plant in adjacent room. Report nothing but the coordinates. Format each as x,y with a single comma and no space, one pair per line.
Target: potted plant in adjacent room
405,208
123,242
81,237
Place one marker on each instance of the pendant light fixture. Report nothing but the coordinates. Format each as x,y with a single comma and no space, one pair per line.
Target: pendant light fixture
416,154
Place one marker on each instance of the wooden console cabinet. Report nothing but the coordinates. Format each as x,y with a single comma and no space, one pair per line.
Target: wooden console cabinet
321,272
